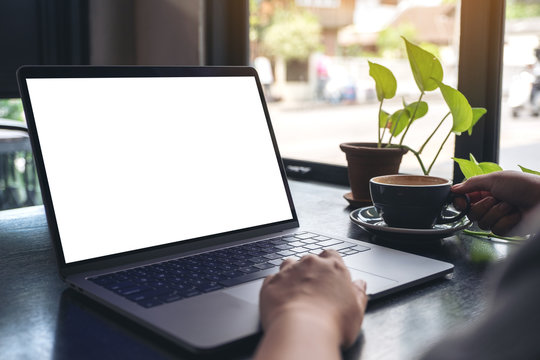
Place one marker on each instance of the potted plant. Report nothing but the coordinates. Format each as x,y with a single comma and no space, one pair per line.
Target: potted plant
367,160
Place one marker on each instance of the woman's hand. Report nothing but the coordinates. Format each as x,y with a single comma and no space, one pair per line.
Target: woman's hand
314,302
500,200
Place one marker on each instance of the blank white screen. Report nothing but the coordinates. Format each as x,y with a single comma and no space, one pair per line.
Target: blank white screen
138,162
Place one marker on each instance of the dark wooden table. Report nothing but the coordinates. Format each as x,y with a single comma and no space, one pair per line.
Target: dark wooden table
40,318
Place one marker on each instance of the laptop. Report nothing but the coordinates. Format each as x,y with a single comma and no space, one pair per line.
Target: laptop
167,200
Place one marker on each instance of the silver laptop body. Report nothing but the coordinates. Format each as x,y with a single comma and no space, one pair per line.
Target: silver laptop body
141,165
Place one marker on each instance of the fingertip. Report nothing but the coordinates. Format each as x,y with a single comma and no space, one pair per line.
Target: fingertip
361,284
267,279
330,253
506,225
460,204
361,295
286,263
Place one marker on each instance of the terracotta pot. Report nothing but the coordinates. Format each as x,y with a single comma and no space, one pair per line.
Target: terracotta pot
365,161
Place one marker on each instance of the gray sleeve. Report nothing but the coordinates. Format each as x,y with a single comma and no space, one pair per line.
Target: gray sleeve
510,328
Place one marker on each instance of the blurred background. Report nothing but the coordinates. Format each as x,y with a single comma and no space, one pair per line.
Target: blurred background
313,56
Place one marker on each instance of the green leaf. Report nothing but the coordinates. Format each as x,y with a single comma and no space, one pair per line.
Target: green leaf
469,168
477,114
383,119
462,114
421,111
426,68
529,171
489,167
385,82
399,121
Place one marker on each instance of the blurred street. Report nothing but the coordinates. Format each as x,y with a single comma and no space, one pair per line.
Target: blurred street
313,131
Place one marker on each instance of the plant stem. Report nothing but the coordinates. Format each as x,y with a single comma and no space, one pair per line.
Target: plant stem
438,152
379,125
412,118
415,153
393,130
488,234
392,133
384,130
433,133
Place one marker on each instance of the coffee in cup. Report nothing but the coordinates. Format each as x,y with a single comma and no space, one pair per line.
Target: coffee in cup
414,201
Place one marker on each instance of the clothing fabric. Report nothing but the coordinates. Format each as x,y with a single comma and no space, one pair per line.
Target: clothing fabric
510,328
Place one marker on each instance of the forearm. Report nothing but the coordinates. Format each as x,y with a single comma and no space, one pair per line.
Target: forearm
300,336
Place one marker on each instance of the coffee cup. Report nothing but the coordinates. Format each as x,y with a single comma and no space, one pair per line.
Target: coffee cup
414,201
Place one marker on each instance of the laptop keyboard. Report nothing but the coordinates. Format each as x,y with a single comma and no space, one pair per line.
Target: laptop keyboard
181,278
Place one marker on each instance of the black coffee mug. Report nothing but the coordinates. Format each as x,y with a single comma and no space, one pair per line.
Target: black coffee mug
414,201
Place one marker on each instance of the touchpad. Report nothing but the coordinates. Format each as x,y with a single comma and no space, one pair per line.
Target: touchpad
248,292
374,283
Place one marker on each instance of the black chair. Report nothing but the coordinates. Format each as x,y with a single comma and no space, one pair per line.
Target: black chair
18,180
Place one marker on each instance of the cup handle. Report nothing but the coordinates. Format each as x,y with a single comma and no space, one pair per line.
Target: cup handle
445,220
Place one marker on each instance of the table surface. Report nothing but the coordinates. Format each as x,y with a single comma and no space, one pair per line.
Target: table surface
41,318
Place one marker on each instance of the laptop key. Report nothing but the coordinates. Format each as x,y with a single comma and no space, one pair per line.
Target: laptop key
131,291
361,248
338,247
264,266
241,264
233,274
148,303
304,235
249,277
136,297
257,260
248,269
119,285
276,262
285,253
277,241
329,242
190,293
214,278
296,243
272,256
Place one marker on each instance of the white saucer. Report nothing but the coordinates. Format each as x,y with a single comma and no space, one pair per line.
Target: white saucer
369,219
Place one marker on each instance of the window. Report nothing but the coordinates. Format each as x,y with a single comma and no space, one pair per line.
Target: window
475,49
520,120
312,57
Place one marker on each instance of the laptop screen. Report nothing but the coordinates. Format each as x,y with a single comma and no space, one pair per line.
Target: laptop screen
136,162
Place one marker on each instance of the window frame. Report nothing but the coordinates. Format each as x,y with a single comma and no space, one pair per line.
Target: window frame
480,76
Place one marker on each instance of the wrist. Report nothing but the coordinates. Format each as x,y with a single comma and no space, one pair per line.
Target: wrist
300,335
315,322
